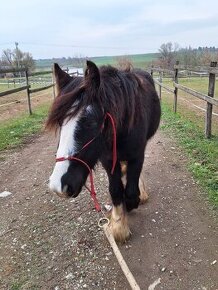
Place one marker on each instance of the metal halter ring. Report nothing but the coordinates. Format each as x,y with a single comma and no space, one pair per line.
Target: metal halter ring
103,221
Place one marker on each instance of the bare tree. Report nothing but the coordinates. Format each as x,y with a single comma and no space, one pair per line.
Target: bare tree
16,58
7,57
168,53
188,56
79,60
207,56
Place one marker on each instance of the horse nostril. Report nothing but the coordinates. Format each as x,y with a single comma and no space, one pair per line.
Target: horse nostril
69,190
65,188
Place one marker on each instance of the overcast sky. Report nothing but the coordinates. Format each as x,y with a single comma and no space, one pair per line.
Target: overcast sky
105,27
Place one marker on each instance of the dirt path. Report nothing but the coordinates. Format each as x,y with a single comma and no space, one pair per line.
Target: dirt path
175,235
50,243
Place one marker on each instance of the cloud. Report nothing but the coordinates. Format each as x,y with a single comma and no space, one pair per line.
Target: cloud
62,28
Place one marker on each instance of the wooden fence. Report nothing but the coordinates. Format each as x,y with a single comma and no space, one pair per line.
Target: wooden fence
212,71
27,85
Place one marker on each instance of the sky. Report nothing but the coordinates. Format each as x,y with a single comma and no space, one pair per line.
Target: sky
63,28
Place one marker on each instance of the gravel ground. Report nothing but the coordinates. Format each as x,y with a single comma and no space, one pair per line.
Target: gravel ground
50,243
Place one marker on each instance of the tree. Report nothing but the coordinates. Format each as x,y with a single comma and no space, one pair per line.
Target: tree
17,59
207,56
124,62
168,53
188,56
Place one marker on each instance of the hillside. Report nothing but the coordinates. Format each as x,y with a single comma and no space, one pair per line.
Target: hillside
138,60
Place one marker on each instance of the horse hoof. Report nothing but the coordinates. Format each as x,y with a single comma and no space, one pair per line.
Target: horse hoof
120,231
119,225
143,197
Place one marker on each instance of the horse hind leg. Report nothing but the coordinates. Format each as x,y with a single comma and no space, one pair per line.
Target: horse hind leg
119,224
142,188
142,184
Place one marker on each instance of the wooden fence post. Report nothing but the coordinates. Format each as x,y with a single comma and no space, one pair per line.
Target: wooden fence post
160,80
176,89
28,92
209,111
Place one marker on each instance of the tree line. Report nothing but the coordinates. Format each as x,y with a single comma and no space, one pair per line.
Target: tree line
188,56
169,53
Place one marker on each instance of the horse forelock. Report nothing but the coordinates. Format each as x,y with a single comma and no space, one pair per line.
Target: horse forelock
63,105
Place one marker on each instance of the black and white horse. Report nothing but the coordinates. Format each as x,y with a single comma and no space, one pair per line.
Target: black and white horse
108,116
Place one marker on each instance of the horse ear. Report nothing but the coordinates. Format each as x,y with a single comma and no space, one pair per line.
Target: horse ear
92,76
62,78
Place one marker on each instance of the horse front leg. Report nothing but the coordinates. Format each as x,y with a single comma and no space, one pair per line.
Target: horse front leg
132,191
118,221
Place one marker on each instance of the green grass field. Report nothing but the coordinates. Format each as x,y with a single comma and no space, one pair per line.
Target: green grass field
138,60
35,82
195,83
189,106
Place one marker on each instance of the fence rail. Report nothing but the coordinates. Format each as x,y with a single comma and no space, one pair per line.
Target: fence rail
164,86
40,89
27,79
196,94
212,71
37,73
12,70
8,92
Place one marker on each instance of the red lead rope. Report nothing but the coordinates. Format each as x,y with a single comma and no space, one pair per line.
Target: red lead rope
92,190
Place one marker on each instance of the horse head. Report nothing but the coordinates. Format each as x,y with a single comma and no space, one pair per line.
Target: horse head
79,117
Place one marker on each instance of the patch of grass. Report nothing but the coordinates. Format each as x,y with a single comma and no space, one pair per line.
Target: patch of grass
202,153
14,131
23,285
16,286
5,87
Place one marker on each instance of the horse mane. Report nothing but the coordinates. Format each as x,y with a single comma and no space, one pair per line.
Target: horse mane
124,91
120,93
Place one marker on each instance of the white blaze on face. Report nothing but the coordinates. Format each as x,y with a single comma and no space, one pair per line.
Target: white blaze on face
66,147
